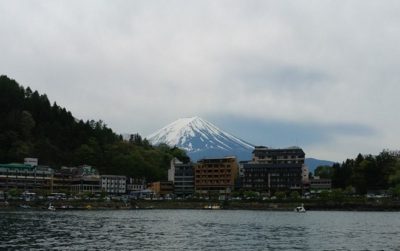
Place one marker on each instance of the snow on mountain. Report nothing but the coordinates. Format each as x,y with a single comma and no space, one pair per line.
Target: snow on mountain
201,139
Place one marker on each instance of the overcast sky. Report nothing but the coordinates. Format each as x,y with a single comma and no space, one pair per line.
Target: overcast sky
323,75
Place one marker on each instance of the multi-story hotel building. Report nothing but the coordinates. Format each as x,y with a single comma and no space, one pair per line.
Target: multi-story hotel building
182,176
63,177
135,185
320,184
25,177
86,180
274,169
215,175
113,184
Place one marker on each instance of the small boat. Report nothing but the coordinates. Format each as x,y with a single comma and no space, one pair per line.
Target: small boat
215,206
300,209
24,206
51,207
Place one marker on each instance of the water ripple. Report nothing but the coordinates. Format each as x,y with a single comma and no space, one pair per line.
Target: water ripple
199,230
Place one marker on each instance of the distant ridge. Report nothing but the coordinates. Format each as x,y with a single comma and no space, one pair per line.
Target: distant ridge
312,163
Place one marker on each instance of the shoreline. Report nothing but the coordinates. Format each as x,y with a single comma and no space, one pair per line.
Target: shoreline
392,206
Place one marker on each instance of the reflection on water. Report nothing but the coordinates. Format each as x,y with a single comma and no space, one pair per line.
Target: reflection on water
199,230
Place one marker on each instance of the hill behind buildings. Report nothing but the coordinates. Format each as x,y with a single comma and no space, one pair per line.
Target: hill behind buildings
31,126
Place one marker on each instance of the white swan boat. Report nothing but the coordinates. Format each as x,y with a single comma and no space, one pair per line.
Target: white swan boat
300,209
51,207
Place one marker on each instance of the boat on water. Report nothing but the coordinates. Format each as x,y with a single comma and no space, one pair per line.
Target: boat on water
24,206
213,207
300,209
51,207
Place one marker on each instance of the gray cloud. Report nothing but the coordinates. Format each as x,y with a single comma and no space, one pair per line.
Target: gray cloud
139,65
284,133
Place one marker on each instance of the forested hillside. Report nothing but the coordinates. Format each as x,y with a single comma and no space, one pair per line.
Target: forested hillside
365,173
30,126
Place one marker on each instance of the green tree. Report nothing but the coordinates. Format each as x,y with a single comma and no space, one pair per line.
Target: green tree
251,195
280,195
324,172
14,192
324,195
336,195
294,195
395,191
26,124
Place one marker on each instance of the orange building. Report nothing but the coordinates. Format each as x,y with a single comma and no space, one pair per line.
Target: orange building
162,188
216,175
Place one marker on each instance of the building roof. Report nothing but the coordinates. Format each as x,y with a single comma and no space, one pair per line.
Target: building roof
113,176
278,151
17,166
216,158
271,165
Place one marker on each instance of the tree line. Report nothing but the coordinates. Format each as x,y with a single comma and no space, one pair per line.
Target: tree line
365,173
30,126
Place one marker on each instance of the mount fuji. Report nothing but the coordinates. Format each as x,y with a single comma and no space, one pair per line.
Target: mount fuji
201,139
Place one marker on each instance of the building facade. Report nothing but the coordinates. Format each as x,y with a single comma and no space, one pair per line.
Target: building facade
317,183
134,185
162,188
274,169
113,184
25,177
63,177
182,177
87,180
215,175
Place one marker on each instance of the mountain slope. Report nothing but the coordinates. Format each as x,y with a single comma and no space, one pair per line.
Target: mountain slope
201,139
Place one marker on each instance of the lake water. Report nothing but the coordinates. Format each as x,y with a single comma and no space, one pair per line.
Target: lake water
199,230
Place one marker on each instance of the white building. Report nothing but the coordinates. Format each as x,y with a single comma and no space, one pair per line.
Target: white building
31,161
113,184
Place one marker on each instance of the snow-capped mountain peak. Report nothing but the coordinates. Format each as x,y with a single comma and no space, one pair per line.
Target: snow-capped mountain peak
200,138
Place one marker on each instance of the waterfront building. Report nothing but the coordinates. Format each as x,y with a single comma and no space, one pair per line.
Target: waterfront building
272,170
31,161
318,183
113,184
25,177
181,175
87,179
238,183
162,188
136,188
134,185
215,175
62,179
